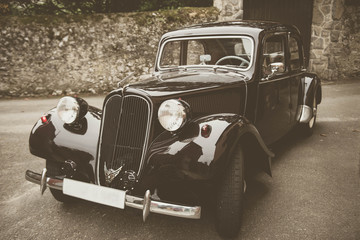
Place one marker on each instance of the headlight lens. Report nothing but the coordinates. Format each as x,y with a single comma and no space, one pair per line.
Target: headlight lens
172,115
68,109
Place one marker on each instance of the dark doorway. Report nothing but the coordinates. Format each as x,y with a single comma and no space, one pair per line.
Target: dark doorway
296,12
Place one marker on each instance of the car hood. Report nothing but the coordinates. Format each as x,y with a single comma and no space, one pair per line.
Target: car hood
180,82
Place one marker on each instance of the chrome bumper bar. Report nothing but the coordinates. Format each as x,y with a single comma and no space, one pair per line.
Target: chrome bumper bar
146,204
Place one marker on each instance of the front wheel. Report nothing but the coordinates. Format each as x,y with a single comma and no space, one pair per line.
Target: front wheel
230,196
61,197
54,170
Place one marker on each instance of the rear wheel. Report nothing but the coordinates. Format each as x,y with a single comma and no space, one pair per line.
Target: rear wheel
230,196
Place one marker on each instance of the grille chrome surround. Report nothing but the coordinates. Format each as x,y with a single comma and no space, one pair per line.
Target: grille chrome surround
125,131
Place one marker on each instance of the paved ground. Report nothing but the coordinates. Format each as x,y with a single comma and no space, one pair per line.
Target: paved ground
314,194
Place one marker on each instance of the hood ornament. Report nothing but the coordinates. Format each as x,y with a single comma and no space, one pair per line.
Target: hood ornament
111,174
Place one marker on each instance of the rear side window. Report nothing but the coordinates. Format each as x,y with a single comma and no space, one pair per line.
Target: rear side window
273,52
295,56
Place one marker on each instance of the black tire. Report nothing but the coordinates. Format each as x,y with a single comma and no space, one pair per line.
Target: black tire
53,170
230,196
307,129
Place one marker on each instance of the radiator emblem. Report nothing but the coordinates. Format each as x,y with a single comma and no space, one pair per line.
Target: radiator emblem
111,174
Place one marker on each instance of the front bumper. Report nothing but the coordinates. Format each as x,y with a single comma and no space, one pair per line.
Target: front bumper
146,204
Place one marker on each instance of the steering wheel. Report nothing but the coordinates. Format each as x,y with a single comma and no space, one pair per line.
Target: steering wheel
243,60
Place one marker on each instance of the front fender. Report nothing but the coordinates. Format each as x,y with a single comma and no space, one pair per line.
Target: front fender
312,87
56,141
311,90
188,155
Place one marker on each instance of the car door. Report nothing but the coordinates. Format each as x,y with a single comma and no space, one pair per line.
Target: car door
273,112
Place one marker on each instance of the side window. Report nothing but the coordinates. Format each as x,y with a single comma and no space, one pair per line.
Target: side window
295,56
273,52
195,49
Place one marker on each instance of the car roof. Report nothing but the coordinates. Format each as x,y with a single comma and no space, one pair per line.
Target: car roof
250,27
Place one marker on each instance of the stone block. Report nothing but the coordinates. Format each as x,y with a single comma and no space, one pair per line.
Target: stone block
338,9
218,4
331,63
312,55
337,25
325,9
328,18
228,10
325,33
318,17
318,43
327,51
328,25
334,36
316,31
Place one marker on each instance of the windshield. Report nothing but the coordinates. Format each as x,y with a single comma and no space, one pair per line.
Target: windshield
234,52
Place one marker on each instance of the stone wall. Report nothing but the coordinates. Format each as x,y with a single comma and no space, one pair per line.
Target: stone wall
229,9
335,45
48,55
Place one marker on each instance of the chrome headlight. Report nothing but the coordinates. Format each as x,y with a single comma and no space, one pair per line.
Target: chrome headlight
172,114
68,109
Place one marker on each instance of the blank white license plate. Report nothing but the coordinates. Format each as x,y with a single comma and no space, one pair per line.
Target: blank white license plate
94,193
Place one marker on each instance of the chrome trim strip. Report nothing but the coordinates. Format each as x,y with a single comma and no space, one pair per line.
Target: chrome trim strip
97,178
263,80
170,209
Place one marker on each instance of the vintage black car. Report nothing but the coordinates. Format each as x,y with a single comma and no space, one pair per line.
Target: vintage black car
221,94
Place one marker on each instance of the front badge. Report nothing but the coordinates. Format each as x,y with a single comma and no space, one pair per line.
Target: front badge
111,174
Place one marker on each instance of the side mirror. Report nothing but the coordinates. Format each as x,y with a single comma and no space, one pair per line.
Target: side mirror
276,67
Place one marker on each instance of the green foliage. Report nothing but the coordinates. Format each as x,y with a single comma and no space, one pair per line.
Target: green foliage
152,5
52,7
60,7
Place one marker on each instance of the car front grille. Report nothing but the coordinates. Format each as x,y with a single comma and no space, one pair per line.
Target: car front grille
124,135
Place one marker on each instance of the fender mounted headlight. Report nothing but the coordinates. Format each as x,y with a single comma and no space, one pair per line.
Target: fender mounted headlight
172,114
71,109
